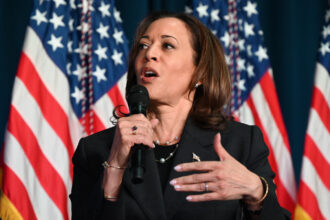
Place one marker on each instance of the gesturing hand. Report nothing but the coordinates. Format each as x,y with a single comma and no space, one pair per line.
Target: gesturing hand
226,179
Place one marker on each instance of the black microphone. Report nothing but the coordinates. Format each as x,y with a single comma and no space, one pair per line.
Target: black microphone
138,101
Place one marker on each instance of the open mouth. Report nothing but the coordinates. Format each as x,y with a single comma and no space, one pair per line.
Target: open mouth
150,73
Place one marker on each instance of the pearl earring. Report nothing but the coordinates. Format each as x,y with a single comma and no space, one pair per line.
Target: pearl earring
196,85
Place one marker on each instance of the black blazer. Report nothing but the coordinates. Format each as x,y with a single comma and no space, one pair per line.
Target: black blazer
146,200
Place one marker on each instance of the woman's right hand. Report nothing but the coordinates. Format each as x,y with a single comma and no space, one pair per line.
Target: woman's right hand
125,138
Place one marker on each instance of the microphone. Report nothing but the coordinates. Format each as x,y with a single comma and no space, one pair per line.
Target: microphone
138,101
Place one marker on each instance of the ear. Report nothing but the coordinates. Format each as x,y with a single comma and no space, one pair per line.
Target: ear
219,149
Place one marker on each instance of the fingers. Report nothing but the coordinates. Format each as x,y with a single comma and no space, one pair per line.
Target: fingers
198,166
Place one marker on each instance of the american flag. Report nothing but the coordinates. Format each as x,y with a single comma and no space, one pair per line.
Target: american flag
314,187
70,76
254,98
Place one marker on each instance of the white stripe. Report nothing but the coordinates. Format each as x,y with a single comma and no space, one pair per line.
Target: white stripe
281,153
122,85
15,158
313,181
54,80
103,109
319,133
245,115
50,144
322,81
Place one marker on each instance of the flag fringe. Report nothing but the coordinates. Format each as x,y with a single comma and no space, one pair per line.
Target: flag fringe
8,210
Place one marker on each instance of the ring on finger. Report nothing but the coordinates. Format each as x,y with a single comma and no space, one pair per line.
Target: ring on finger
206,186
134,129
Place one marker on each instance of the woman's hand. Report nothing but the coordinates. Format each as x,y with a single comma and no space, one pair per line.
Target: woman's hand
135,129
226,179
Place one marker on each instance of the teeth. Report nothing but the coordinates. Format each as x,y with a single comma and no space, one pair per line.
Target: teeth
150,73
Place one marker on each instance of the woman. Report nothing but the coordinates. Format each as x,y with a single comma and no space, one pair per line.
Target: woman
199,165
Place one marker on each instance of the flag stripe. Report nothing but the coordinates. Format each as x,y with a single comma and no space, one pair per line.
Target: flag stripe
322,81
116,98
51,77
281,153
284,197
322,166
47,175
318,132
51,110
26,174
16,191
269,91
319,103
312,180
29,109
308,202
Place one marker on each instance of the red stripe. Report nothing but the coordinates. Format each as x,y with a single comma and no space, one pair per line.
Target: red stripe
117,98
320,104
308,201
269,91
284,197
50,108
47,175
320,163
97,123
15,191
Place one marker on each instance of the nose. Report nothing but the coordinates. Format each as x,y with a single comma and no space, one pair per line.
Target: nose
152,53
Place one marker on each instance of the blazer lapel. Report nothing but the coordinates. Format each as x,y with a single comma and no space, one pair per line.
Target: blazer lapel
189,144
148,194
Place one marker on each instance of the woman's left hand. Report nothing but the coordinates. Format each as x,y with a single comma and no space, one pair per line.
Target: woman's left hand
226,179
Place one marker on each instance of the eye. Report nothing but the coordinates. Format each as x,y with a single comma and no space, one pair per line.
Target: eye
168,46
143,46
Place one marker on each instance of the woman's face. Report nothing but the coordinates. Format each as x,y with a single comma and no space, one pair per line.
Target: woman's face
165,63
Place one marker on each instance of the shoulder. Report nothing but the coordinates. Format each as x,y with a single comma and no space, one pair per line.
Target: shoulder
239,130
94,149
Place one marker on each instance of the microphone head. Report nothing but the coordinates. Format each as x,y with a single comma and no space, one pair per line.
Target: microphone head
138,99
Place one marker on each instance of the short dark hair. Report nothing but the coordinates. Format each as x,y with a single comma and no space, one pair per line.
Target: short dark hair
212,97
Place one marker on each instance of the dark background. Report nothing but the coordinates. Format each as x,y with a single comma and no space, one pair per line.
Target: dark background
291,30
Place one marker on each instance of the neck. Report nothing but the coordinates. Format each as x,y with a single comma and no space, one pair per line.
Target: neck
172,119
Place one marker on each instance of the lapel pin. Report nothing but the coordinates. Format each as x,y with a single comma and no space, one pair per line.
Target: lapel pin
195,157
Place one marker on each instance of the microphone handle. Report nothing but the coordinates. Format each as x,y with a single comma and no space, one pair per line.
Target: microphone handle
138,153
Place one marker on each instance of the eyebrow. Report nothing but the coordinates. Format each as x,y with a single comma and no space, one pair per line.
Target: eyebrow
163,36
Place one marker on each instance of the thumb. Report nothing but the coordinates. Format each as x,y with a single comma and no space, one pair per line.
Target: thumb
219,149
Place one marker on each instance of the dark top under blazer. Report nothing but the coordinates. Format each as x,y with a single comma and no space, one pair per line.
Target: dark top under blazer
146,200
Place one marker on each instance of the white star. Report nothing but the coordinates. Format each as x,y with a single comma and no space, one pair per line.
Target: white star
85,27
116,57
202,10
327,15
55,42
69,46
40,17
118,36
78,95
57,21
248,29
72,4
104,9
251,8
249,50
325,48
99,74
227,58
261,54
250,70
71,24
103,31
117,15
226,17
100,52
188,10
240,64
214,32
240,85
81,50
79,72
68,68
326,31
226,39
59,2
84,6
215,15
241,43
